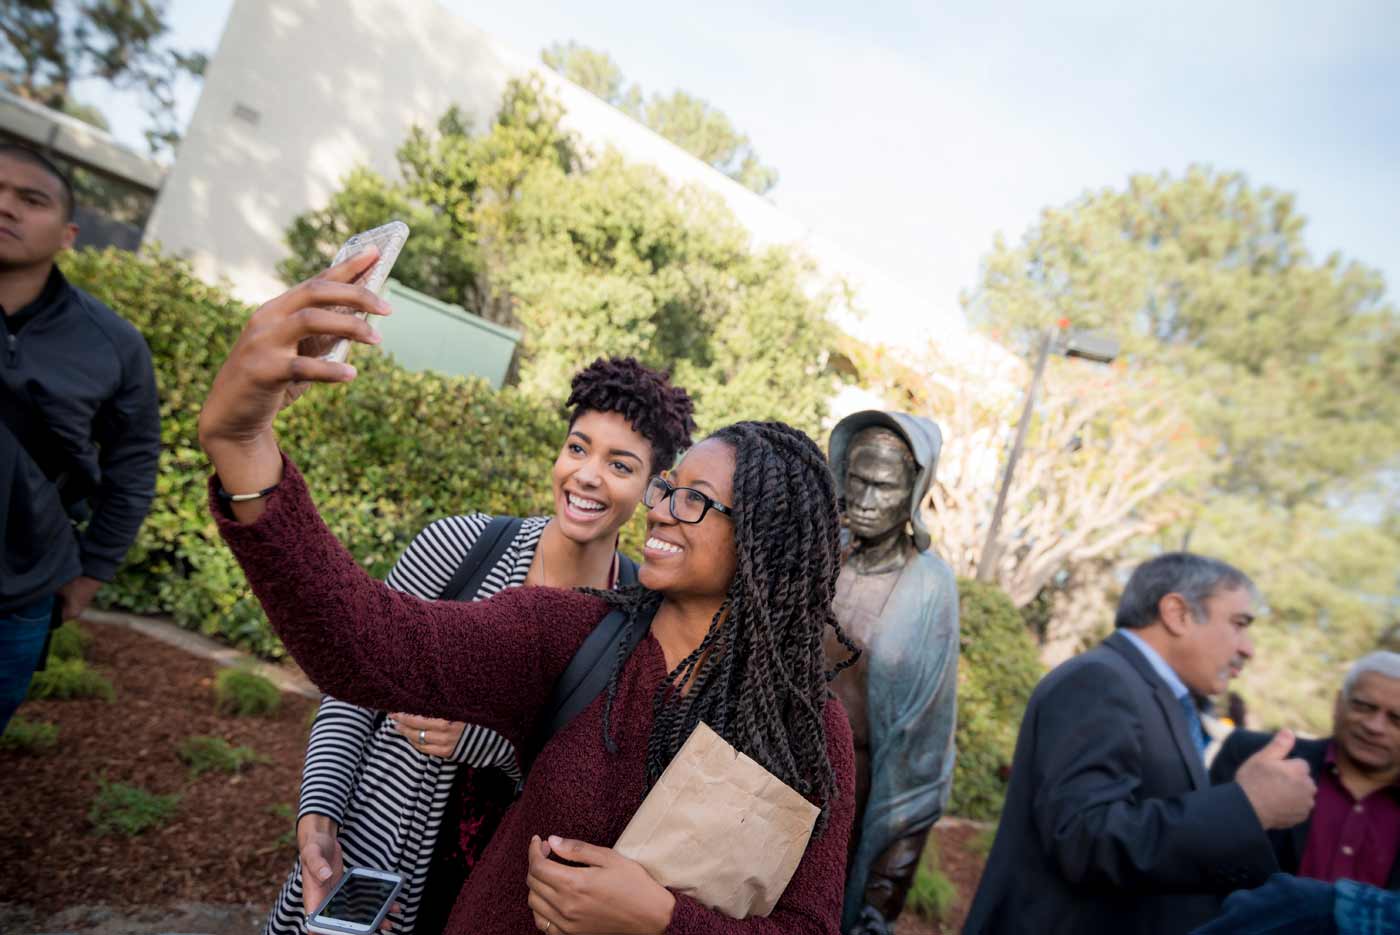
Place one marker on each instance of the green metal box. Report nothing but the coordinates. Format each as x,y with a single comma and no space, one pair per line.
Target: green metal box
425,334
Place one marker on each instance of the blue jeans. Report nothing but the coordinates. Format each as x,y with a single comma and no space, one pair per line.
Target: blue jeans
22,635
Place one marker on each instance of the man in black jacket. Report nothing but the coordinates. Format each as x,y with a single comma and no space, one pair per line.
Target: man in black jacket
1353,832
1110,823
79,425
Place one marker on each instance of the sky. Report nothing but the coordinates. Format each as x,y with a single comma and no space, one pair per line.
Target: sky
913,134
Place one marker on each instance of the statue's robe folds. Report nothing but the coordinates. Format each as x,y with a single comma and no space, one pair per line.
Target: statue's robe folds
911,685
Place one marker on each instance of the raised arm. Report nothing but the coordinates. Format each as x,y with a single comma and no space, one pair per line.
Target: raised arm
490,662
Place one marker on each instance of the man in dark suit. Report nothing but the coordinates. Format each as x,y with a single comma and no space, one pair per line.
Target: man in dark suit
1110,823
1354,830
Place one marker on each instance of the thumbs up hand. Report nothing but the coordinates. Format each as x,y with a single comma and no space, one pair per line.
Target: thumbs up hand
1280,790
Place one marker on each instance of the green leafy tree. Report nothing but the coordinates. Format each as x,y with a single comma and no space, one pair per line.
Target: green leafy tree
1288,366
603,258
455,191
706,132
691,123
617,260
434,260
51,46
596,72
1290,363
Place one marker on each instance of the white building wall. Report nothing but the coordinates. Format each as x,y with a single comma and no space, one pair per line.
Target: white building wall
301,91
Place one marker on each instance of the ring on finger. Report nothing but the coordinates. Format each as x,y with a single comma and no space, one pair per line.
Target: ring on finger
422,737
547,926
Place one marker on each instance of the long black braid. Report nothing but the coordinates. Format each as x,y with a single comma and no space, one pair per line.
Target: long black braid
760,677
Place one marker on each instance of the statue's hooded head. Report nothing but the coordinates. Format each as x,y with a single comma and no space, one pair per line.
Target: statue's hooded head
921,440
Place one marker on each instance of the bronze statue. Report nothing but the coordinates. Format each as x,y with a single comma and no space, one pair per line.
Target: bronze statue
899,602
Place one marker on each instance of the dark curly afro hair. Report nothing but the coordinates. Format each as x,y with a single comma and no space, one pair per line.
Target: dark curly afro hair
656,410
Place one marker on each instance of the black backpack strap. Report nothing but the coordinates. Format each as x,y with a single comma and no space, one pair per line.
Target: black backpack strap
626,571
588,672
484,555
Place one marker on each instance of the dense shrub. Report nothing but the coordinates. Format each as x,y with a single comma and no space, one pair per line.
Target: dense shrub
384,456
998,670
67,679
243,693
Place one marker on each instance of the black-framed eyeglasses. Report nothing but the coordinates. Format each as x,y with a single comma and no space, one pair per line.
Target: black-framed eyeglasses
687,504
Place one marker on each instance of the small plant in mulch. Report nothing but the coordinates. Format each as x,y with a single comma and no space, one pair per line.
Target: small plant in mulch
66,679
121,809
28,736
215,755
932,896
244,693
69,641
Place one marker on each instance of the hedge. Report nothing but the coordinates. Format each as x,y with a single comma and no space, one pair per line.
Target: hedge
384,455
996,674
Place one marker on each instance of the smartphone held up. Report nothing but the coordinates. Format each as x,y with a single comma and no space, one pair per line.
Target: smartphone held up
358,904
389,240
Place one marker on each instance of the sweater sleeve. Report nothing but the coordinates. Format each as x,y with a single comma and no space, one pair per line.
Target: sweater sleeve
490,662
811,904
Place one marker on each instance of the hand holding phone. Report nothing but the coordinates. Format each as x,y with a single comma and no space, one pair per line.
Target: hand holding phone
389,240
322,864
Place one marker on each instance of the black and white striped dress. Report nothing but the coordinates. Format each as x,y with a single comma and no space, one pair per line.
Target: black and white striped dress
387,797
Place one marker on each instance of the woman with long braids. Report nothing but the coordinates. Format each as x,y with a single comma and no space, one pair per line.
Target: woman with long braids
741,562
422,796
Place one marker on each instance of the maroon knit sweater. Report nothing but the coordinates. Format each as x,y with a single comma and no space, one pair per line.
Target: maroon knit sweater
495,662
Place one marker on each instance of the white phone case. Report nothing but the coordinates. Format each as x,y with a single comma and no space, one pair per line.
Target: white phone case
390,239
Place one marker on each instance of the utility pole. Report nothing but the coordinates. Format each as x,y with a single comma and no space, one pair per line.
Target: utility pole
1090,346
991,552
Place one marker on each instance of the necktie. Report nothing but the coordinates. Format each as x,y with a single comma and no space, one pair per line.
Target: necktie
1193,723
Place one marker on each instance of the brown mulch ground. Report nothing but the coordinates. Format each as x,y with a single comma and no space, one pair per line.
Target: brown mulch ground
961,861
227,843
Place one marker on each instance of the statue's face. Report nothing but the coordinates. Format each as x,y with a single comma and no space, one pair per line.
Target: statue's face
879,482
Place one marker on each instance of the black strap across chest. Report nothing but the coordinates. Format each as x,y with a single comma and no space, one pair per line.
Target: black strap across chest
588,671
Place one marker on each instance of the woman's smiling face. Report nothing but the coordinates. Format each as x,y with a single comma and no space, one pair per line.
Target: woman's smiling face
694,559
599,476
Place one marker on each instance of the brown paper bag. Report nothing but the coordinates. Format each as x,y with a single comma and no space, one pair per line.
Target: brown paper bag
720,828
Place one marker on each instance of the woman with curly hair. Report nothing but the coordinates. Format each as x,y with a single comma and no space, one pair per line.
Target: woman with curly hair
422,796
741,562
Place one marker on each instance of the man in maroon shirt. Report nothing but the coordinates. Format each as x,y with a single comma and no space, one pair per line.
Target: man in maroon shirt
1354,830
